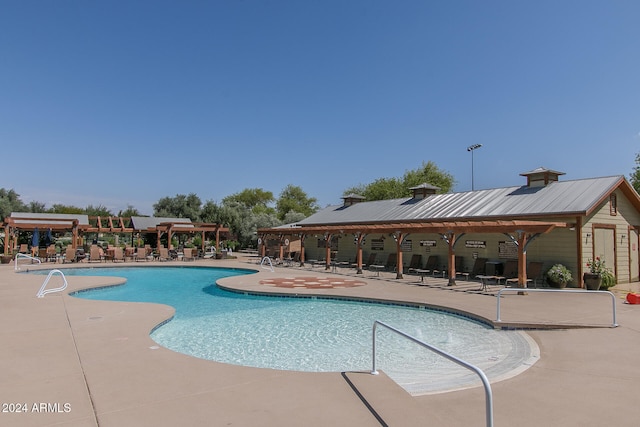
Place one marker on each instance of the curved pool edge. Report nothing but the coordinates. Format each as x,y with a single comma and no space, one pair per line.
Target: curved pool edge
111,281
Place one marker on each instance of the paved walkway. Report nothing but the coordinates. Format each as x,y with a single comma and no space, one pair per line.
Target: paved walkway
76,362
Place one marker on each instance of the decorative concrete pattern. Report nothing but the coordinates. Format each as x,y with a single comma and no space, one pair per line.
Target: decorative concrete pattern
312,282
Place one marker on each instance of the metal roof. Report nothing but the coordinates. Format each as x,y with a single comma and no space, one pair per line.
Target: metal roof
147,222
555,199
43,218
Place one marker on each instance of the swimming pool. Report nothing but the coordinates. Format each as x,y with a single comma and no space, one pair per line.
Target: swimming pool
307,334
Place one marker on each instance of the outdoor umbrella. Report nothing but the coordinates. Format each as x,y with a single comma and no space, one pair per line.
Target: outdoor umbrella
48,238
35,240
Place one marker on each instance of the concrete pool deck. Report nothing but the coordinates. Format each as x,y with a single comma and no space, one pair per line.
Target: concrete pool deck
74,362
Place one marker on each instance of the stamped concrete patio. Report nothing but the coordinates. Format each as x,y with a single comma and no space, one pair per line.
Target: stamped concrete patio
75,362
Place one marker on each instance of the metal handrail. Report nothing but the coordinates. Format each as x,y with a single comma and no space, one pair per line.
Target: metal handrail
270,264
485,381
21,255
42,292
575,291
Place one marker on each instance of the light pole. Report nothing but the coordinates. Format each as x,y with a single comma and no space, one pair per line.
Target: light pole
472,148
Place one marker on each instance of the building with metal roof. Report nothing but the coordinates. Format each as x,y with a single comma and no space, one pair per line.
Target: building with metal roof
545,220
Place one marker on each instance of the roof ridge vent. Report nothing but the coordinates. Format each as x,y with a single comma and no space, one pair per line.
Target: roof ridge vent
541,177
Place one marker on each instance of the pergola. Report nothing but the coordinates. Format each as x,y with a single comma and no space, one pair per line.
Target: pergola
97,224
520,232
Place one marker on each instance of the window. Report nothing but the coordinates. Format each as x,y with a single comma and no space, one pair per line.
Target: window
613,205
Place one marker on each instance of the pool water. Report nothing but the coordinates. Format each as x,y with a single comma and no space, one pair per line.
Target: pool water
319,335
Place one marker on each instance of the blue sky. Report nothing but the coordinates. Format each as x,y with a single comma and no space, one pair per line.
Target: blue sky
125,102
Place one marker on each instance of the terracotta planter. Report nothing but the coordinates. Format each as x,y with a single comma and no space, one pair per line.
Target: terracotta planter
592,281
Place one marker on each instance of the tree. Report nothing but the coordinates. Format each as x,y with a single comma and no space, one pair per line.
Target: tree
635,176
256,199
395,188
294,199
97,211
180,206
66,209
37,207
129,212
10,202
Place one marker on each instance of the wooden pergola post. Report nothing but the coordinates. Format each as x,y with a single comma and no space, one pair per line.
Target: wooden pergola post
359,241
450,238
399,238
328,237
302,236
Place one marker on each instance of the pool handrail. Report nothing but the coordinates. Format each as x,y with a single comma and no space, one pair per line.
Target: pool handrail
42,292
575,291
21,255
270,264
485,381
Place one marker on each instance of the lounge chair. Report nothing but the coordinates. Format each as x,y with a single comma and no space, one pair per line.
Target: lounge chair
69,255
163,255
188,254
141,254
51,254
95,254
415,264
432,264
211,253
477,270
534,274
118,255
392,262
510,271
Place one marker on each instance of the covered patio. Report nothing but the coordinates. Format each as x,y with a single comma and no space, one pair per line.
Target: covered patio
520,232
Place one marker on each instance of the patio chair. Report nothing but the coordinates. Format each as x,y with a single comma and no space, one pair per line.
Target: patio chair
371,260
432,264
52,255
187,254
69,255
163,255
95,254
141,254
534,274
477,270
392,262
118,255
415,264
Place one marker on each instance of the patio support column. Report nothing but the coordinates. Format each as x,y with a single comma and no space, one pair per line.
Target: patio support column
399,238
262,245
217,237
202,242
450,238
302,236
7,239
328,237
74,232
281,246
359,240
158,235
522,260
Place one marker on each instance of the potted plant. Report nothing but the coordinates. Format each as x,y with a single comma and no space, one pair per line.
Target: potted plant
608,279
593,278
558,276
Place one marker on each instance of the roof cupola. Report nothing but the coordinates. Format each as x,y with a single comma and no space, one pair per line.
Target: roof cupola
541,177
